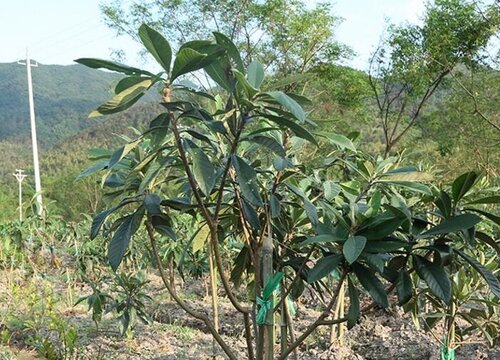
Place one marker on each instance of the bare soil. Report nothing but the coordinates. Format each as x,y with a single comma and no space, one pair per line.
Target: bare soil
383,334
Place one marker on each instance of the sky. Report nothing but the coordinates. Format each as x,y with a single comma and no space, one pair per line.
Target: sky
59,31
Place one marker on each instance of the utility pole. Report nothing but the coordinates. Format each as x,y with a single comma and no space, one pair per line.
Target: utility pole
38,184
20,177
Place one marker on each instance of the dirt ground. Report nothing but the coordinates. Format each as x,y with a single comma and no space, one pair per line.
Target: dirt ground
383,334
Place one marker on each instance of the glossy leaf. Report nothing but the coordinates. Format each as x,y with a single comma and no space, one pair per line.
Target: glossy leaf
372,284
435,276
121,238
119,154
247,180
200,238
486,200
353,247
485,238
109,65
324,238
323,267
128,82
270,143
203,170
462,185
245,85
251,215
124,99
488,276
354,308
331,189
187,60
100,218
157,46
453,224
93,169
231,50
413,186
381,229
444,204
274,204
152,203
338,140
288,103
255,74
494,218
297,129
404,287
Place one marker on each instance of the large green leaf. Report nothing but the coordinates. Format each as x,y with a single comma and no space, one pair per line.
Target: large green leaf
485,238
220,72
444,204
203,170
353,247
123,151
240,265
495,199
152,203
255,74
231,50
156,44
245,85
406,173
297,129
247,180
372,284
324,238
379,230
490,278
404,287
121,238
270,143
187,60
311,211
100,218
354,309
288,103
453,224
251,215
124,99
331,189
413,186
435,276
128,82
338,140
323,267
462,185
93,169
494,218
109,65
200,238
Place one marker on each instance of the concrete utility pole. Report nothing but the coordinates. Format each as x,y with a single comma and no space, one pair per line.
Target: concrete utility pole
38,184
20,177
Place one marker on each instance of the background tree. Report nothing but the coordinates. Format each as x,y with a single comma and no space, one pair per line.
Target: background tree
413,61
287,36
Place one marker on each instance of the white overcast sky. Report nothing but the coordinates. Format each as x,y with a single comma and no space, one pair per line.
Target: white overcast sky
59,31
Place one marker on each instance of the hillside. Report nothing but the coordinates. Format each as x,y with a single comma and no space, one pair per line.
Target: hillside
63,95
61,164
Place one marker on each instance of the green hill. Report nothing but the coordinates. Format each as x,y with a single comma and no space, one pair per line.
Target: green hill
63,95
